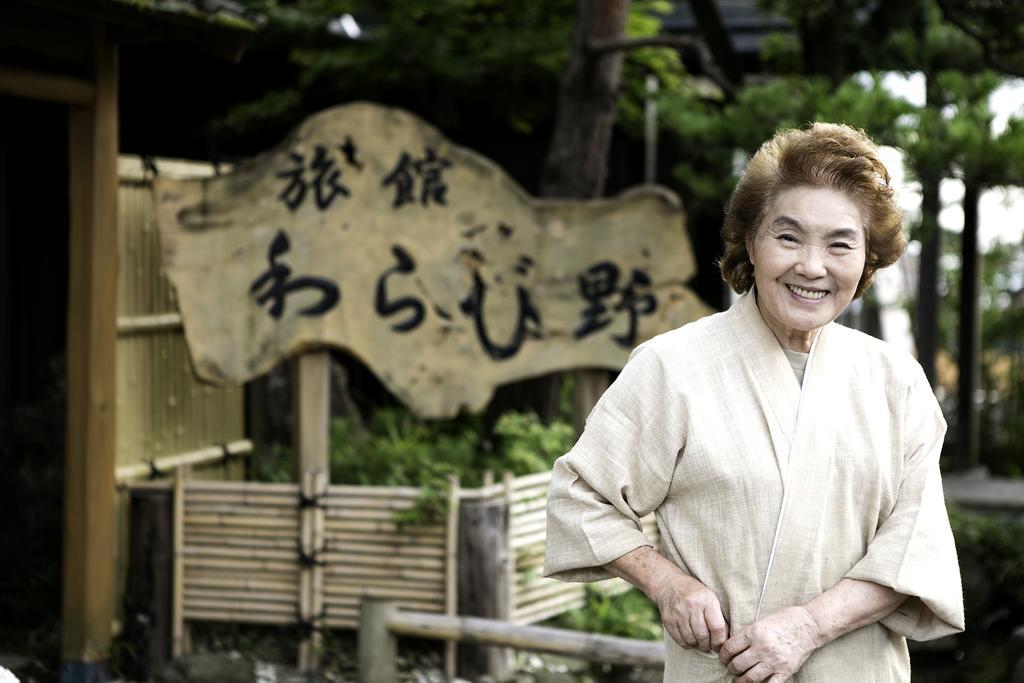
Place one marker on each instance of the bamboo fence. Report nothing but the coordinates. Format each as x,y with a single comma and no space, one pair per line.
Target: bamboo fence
535,598
291,555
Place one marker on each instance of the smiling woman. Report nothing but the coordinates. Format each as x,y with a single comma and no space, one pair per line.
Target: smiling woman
792,463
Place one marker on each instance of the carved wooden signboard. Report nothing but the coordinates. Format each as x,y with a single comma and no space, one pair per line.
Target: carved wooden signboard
368,230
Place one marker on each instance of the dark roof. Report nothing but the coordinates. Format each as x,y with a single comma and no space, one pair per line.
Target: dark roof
227,14
747,24
219,27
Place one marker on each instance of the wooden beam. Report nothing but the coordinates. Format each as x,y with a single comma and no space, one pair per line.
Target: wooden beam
587,646
311,391
89,493
39,85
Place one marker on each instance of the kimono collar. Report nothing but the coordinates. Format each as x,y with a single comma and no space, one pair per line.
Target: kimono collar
759,335
768,369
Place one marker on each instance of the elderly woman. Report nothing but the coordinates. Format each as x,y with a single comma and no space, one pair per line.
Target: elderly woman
791,463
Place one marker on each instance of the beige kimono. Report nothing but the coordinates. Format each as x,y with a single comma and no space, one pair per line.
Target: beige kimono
699,428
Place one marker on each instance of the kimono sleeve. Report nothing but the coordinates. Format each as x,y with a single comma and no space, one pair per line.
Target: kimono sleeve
913,550
618,472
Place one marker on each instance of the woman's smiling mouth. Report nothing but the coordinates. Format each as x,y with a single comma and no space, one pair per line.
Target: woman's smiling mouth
813,294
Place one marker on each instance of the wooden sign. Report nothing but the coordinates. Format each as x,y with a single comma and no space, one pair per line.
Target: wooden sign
368,230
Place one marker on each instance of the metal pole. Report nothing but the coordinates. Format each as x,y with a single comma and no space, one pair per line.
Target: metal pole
651,130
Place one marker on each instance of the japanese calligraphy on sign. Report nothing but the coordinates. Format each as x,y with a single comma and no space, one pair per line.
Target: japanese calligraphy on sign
368,230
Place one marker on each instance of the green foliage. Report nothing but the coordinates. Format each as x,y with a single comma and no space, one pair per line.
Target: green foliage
781,54
991,553
396,448
628,615
1002,366
528,445
501,61
496,62
712,136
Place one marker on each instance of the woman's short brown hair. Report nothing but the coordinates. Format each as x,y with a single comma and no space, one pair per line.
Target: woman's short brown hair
823,155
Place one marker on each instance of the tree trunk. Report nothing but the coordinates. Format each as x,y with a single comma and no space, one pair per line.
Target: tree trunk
931,249
928,278
577,161
718,39
969,360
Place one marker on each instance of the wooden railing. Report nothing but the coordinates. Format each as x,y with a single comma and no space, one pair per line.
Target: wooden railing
381,622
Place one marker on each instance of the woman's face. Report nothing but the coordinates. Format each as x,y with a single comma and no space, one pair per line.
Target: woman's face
808,257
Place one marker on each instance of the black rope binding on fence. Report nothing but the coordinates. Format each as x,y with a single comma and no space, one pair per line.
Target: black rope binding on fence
309,501
226,456
149,165
154,471
312,559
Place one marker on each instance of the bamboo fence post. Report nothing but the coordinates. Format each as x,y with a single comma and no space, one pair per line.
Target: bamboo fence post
178,636
311,408
507,480
311,576
317,579
451,596
377,646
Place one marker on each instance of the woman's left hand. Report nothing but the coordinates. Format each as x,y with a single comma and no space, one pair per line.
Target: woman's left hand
773,648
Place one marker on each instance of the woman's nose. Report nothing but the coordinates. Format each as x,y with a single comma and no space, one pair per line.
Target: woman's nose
811,263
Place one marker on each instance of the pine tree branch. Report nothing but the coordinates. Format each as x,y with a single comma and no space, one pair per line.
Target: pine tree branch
598,48
989,56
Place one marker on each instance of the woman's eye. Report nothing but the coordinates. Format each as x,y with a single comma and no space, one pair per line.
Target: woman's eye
841,245
787,238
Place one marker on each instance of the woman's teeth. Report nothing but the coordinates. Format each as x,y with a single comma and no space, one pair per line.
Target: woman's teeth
806,293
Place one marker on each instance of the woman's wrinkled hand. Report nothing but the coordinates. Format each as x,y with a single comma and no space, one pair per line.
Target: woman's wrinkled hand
773,648
691,613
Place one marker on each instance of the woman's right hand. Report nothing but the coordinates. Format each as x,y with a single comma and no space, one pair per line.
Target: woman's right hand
691,613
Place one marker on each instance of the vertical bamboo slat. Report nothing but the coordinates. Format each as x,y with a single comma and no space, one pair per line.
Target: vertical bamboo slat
178,594
451,590
317,580
508,484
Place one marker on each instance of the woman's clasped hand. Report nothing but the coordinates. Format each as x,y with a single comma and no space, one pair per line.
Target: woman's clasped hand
773,648
691,613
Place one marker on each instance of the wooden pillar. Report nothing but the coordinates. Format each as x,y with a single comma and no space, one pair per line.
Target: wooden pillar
311,391
483,581
378,648
311,395
148,603
89,495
